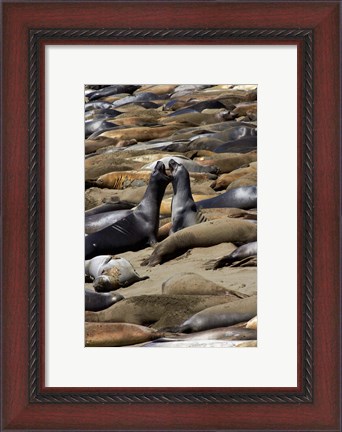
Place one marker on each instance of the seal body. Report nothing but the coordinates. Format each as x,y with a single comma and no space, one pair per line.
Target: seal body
221,315
118,334
96,302
183,207
111,273
138,229
244,251
243,198
97,222
202,235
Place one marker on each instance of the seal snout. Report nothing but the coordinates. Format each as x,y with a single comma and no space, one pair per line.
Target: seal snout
173,165
160,167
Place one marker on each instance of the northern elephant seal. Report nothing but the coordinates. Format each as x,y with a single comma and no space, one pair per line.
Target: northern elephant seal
97,222
138,229
224,180
245,251
118,334
231,163
243,198
156,310
96,302
111,273
194,284
183,208
220,316
202,235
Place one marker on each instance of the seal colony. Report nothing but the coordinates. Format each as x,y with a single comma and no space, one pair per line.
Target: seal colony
171,215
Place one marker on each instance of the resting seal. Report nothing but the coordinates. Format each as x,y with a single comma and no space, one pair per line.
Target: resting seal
111,273
202,235
138,229
118,334
231,163
243,198
157,310
225,180
96,302
123,179
220,316
240,253
193,284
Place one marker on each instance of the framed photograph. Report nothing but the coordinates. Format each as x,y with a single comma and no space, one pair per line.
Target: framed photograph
282,57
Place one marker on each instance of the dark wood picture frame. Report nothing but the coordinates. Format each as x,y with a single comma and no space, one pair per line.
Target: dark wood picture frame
26,403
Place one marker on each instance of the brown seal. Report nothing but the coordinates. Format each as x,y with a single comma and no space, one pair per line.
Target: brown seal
118,334
224,180
194,284
229,164
156,310
123,179
202,235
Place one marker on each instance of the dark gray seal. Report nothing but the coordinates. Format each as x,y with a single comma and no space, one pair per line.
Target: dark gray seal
97,222
183,207
96,302
245,251
138,229
241,145
112,90
114,204
223,315
93,126
243,198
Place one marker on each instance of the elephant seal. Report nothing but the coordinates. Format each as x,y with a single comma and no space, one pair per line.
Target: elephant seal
96,302
92,126
248,180
224,180
222,333
156,310
202,235
183,207
118,334
112,90
240,253
123,179
227,212
110,273
106,163
165,207
138,229
223,315
193,284
241,145
109,206
231,163
244,198
97,222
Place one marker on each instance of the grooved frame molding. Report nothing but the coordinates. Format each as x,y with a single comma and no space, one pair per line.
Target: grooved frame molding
306,293
27,404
